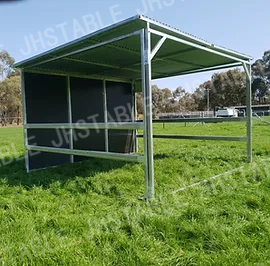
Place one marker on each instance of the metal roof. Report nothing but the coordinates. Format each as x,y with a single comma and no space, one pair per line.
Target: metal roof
121,59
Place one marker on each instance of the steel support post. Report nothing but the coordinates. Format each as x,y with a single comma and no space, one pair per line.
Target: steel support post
105,116
247,68
24,122
134,117
70,118
147,107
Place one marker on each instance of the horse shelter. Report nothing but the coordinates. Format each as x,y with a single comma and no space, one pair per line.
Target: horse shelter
79,98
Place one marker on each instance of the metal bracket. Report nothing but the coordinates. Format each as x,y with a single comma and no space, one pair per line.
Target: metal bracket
247,71
157,47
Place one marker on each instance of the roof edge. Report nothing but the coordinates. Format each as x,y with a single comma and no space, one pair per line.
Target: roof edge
109,27
144,19
192,37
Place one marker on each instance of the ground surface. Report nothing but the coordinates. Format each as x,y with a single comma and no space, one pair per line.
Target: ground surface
89,214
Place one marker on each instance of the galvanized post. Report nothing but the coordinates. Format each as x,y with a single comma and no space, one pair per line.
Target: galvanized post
105,116
70,120
249,111
26,152
134,117
208,101
147,107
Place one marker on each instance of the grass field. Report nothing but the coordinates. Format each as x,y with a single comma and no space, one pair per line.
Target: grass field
89,213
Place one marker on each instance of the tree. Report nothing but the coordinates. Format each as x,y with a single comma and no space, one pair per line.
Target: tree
178,93
225,89
260,90
162,101
187,102
10,92
6,62
159,101
167,93
200,95
139,103
261,78
183,101
166,101
10,99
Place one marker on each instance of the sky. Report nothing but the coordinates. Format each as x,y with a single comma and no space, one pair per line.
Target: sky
241,25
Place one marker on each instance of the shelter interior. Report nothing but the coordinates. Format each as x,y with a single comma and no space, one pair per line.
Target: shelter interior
64,88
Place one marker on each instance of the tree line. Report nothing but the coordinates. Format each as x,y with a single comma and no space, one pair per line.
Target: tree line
224,89
10,91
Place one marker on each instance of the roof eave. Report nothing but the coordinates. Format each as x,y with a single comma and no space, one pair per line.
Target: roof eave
21,63
147,20
202,42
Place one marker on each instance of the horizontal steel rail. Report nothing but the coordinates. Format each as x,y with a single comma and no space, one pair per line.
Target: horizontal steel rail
195,120
201,70
75,75
110,125
94,154
215,138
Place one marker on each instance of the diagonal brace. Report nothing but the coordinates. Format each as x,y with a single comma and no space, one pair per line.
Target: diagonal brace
157,47
247,71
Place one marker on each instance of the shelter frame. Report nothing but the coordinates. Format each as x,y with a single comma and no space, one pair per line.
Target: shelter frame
147,55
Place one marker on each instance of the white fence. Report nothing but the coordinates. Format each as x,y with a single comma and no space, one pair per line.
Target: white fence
205,114
198,114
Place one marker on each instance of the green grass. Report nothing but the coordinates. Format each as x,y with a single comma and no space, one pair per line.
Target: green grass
89,213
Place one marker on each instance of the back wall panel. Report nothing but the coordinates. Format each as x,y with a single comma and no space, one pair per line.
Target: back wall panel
119,103
46,102
46,98
47,138
87,106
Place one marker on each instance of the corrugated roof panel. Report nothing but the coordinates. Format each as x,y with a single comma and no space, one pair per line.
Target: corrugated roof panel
161,66
198,57
120,53
123,57
187,36
172,48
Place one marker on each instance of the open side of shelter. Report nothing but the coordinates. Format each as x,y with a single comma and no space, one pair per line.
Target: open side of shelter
77,88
